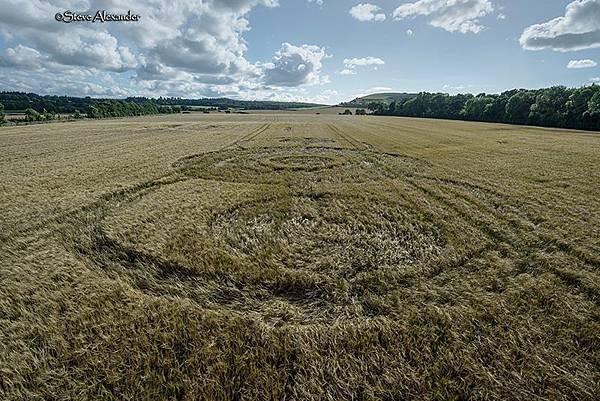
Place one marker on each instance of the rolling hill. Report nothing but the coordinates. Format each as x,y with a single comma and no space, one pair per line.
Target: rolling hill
378,97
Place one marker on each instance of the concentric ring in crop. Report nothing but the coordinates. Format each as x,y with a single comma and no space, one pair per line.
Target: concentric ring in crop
283,165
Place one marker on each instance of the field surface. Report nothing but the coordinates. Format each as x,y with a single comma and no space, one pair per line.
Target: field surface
298,257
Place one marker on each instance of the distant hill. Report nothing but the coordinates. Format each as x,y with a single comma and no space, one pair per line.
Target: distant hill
386,98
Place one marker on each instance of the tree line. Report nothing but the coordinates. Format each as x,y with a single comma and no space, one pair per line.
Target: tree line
20,101
106,109
224,103
119,108
558,106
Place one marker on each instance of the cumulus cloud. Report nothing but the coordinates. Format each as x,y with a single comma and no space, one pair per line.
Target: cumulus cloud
318,2
577,64
188,48
31,22
364,61
295,65
452,15
367,13
22,57
578,29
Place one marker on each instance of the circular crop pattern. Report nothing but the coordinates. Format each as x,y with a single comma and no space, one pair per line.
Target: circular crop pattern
337,235
290,164
300,162
294,256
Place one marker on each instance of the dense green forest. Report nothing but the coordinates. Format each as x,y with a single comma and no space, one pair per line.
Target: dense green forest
558,106
19,101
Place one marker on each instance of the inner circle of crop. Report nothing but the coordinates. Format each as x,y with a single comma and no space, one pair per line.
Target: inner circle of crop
327,233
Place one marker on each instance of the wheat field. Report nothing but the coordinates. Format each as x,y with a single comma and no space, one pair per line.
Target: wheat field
298,257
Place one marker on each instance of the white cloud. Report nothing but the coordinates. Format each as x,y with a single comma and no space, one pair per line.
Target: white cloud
595,79
578,64
367,13
579,29
364,61
295,65
318,2
350,64
501,17
22,57
452,15
188,48
410,32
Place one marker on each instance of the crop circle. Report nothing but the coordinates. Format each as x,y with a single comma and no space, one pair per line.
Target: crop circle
334,234
288,165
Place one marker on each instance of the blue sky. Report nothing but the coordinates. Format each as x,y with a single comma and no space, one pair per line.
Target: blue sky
300,49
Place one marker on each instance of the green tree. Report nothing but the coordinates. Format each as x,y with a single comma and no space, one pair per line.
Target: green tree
436,105
495,109
48,116
376,107
577,105
518,107
32,115
592,114
93,112
474,108
550,107
1,113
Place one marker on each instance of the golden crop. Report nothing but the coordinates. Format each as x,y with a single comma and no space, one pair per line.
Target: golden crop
298,257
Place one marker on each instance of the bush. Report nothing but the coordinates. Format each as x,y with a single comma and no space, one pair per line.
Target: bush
32,115
48,116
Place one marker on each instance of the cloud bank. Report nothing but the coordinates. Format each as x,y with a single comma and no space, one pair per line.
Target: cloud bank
188,48
578,29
